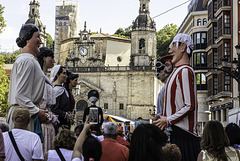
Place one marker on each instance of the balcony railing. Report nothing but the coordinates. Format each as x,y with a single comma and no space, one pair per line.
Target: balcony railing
111,68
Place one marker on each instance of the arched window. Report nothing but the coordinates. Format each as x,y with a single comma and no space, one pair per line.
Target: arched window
81,105
141,44
199,22
204,21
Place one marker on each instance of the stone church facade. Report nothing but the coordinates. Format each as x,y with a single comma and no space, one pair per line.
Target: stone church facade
121,70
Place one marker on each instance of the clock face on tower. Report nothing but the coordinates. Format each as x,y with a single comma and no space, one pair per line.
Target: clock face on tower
83,51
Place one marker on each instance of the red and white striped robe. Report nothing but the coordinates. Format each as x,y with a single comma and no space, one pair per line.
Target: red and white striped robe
180,104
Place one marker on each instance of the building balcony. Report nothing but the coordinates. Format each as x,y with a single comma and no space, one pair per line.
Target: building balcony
221,9
223,37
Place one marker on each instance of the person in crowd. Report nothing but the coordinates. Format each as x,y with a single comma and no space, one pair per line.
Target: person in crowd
46,60
27,80
121,140
2,149
4,126
63,146
71,82
60,108
111,149
78,129
215,144
146,143
233,133
87,147
28,143
180,100
93,96
171,152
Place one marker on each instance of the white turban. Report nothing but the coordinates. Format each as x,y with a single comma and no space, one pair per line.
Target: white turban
54,72
183,38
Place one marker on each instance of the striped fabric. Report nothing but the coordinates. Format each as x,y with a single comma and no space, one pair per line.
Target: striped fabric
180,104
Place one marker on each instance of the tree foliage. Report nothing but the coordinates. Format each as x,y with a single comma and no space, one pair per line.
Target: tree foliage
124,33
10,57
49,41
164,38
2,21
4,89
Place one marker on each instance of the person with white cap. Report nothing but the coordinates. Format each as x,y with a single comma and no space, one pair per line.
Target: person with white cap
180,104
61,107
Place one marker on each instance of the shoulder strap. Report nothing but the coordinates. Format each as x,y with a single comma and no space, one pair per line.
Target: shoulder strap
60,154
15,146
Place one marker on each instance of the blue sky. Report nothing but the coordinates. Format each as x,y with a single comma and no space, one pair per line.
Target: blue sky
109,15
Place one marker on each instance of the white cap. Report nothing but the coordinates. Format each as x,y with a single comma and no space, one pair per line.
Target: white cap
183,38
54,72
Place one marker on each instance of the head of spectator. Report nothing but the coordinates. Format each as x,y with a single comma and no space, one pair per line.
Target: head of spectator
4,126
171,152
78,129
146,143
21,117
233,133
29,39
64,139
92,149
181,48
58,74
46,58
214,140
110,130
72,80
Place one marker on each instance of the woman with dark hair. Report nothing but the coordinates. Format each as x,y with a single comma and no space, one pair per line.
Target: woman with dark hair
146,143
87,147
215,144
69,85
233,133
63,146
46,61
61,107
27,80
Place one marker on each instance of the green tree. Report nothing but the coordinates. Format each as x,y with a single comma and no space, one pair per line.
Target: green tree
124,33
10,57
2,21
49,41
4,88
164,38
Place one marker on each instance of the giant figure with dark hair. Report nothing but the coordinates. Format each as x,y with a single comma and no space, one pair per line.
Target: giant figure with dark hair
27,80
71,82
46,61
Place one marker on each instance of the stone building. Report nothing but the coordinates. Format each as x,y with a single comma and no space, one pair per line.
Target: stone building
66,24
194,25
122,70
223,36
34,17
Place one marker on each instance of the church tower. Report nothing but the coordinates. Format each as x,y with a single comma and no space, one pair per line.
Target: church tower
144,41
34,17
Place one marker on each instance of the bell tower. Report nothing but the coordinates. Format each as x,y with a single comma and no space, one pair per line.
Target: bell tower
144,41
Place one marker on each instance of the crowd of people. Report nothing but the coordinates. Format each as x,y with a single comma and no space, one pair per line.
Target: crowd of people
42,109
